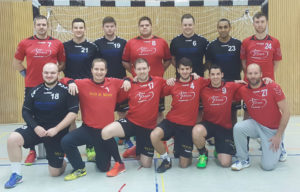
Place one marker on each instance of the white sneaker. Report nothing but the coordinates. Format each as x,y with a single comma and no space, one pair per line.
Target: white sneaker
283,155
239,165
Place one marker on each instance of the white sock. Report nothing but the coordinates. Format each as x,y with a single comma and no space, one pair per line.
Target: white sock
165,156
16,167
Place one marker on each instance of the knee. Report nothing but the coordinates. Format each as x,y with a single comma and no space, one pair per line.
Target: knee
199,131
268,166
15,139
225,163
184,164
65,142
156,134
106,134
146,164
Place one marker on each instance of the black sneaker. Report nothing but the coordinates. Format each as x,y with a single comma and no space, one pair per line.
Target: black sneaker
164,166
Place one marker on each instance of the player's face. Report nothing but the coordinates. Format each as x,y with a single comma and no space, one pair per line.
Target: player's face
99,71
145,28
188,27
223,29
184,72
142,71
41,27
260,24
254,75
50,74
109,29
216,76
78,29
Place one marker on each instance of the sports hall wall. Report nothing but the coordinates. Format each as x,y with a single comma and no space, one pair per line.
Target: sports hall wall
16,24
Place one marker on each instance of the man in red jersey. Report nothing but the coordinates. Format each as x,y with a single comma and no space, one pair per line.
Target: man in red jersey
217,99
269,113
38,50
97,97
182,117
140,120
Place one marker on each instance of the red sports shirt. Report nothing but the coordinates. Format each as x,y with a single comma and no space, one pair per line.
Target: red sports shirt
185,101
217,103
97,101
262,52
144,101
38,52
154,50
262,103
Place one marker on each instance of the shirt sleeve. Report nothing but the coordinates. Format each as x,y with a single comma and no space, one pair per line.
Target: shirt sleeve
277,92
126,52
208,54
167,54
238,94
166,90
243,55
61,57
277,53
27,112
98,54
73,103
172,48
21,51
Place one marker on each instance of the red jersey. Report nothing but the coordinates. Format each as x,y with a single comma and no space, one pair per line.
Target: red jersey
154,50
144,101
97,100
217,103
38,52
262,52
262,103
185,101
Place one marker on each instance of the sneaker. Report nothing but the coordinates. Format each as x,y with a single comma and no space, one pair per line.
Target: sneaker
202,161
283,155
128,144
13,181
239,165
116,170
75,174
91,154
130,153
164,166
30,158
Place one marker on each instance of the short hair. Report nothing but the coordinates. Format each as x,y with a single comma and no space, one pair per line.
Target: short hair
140,60
185,62
255,64
187,16
78,20
145,18
224,19
259,15
108,19
40,17
214,66
98,60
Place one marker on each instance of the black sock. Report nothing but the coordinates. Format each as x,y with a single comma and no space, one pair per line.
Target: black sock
32,148
111,144
202,151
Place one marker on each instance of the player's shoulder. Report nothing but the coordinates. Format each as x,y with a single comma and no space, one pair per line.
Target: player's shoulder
249,39
213,42
36,89
235,40
99,40
120,39
200,37
68,43
177,37
271,38
272,85
90,43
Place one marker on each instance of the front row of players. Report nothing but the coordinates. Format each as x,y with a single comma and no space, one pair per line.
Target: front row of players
49,110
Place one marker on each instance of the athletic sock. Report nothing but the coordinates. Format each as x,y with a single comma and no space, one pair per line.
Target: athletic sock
32,148
165,156
16,167
112,145
202,151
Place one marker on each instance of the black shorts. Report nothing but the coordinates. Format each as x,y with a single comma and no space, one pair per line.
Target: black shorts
223,137
161,106
122,107
143,141
54,152
182,137
236,106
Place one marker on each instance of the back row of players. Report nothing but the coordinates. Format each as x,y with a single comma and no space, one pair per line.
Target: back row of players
147,57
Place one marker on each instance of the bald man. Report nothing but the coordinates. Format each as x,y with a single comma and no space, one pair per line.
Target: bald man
269,112
48,110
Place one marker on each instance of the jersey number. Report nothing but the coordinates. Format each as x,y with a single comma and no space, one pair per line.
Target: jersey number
150,85
55,96
84,50
231,48
192,86
268,46
264,92
117,45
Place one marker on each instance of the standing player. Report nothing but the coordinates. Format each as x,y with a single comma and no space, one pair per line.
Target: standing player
141,118
269,113
48,111
182,117
80,54
38,50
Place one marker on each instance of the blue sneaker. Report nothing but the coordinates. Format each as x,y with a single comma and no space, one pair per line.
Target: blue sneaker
13,181
283,155
128,144
239,165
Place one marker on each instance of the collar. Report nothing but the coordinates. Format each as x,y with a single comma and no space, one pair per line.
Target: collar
96,82
222,85
262,85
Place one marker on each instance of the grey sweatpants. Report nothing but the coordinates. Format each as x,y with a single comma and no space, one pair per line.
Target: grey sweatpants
250,128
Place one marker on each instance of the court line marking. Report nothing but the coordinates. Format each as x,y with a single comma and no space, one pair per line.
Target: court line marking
4,134
122,187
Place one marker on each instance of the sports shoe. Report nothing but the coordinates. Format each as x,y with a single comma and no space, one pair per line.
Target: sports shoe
202,161
283,155
130,153
13,181
30,158
164,166
239,165
91,154
75,174
116,170
128,144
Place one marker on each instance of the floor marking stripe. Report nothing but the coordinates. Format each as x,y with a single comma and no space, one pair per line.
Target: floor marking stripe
122,187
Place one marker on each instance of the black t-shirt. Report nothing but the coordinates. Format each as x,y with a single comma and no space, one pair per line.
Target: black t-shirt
79,58
112,52
48,107
193,48
227,56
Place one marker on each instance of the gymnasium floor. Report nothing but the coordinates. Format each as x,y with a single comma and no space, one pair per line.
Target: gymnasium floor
212,179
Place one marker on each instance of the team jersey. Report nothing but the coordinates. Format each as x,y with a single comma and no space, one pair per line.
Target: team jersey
79,58
97,100
112,52
143,101
217,103
227,56
185,101
154,50
38,52
193,48
262,52
262,103
47,107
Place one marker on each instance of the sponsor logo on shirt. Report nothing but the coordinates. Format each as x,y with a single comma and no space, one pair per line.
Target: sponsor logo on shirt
146,50
259,54
41,52
258,103
217,100
185,96
143,97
